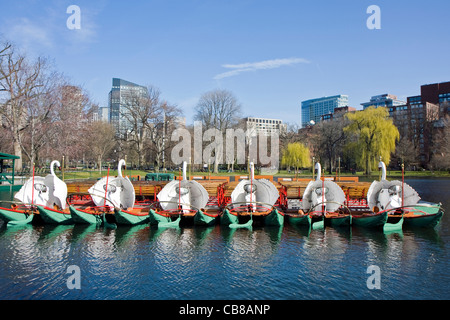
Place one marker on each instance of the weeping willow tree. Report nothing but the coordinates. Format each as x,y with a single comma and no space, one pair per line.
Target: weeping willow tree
296,155
374,135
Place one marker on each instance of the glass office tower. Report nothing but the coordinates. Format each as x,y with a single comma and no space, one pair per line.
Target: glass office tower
314,109
121,99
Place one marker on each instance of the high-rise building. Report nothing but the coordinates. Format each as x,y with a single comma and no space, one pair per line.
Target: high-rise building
122,97
337,114
438,94
383,100
265,126
415,119
314,109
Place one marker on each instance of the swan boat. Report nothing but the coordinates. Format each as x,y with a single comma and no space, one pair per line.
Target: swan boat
18,213
113,202
56,211
253,199
23,208
60,207
401,203
39,196
323,202
181,202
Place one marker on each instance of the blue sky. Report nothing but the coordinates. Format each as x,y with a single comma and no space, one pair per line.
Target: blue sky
271,54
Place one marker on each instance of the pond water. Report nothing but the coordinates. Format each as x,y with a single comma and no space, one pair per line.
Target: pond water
37,262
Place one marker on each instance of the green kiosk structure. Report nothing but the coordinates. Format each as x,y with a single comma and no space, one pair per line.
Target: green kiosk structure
7,180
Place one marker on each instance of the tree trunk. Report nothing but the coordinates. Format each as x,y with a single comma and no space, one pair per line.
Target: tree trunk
368,171
216,164
99,163
18,152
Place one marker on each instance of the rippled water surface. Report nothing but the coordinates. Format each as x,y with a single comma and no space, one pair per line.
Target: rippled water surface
219,263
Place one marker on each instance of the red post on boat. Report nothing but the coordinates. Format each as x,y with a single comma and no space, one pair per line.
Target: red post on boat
179,191
251,187
403,183
32,187
323,191
106,187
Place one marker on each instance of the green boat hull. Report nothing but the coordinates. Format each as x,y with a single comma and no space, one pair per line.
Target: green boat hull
170,224
12,215
232,221
318,225
370,221
425,221
238,225
81,217
126,218
228,218
54,217
337,222
304,220
203,219
16,223
156,218
393,227
274,218
425,216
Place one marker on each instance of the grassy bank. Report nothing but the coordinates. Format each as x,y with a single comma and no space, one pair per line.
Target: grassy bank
69,175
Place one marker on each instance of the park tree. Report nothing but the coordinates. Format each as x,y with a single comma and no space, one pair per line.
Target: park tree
160,130
441,145
220,110
18,85
329,139
72,110
98,141
150,118
296,155
406,152
26,100
142,106
374,136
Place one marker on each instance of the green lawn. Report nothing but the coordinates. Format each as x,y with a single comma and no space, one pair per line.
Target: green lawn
68,175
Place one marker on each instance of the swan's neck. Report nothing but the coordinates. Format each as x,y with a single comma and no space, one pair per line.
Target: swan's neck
119,169
383,171
52,165
184,170
319,171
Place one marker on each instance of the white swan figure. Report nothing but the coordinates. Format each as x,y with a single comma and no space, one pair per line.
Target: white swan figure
382,167
119,191
327,192
57,188
186,192
387,195
250,191
318,169
38,196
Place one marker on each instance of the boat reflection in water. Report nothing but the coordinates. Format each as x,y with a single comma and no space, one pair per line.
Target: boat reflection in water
218,262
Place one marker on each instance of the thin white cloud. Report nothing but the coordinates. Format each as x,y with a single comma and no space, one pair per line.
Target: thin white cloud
48,29
261,65
30,33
